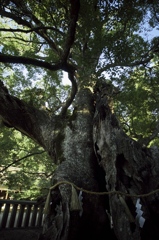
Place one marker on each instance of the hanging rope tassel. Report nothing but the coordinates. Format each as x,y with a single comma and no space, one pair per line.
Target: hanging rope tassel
127,210
75,204
47,203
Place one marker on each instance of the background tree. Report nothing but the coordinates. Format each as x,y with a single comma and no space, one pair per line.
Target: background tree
25,167
76,125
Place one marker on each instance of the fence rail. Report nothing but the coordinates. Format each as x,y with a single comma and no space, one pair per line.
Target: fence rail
18,214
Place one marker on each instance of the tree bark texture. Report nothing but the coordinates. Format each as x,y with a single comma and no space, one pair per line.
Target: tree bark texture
80,168
39,125
95,154
129,168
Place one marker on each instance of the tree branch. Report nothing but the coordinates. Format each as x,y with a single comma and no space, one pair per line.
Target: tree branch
31,30
145,141
18,40
17,19
15,113
37,124
71,96
30,61
20,159
25,23
125,64
74,11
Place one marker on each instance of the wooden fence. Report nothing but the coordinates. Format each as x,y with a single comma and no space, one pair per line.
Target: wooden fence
20,214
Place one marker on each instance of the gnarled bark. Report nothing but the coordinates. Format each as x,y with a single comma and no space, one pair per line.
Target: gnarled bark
79,168
130,168
122,163
36,124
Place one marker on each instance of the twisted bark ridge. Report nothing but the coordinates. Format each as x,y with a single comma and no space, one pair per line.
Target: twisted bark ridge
92,140
129,167
64,220
35,123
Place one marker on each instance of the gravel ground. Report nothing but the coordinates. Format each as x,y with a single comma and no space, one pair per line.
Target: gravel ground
20,234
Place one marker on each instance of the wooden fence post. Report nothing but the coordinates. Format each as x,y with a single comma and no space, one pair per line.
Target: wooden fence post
13,216
5,215
20,214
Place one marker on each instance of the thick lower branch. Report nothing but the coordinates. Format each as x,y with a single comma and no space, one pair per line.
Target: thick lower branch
35,62
30,61
31,30
27,119
37,124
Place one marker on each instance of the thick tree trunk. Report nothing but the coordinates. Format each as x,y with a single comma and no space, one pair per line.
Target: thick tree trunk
129,168
80,168
97,156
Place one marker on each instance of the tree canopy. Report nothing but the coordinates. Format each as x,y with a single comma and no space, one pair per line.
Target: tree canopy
91,40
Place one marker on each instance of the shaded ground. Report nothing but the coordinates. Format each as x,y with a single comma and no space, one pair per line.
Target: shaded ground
20,234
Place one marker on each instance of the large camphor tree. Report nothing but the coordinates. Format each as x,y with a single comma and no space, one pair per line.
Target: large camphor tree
102,129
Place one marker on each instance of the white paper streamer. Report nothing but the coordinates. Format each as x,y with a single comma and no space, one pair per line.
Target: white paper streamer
139,218
80,197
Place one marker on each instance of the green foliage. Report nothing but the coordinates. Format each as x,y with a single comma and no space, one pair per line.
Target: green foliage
137,103
27,167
